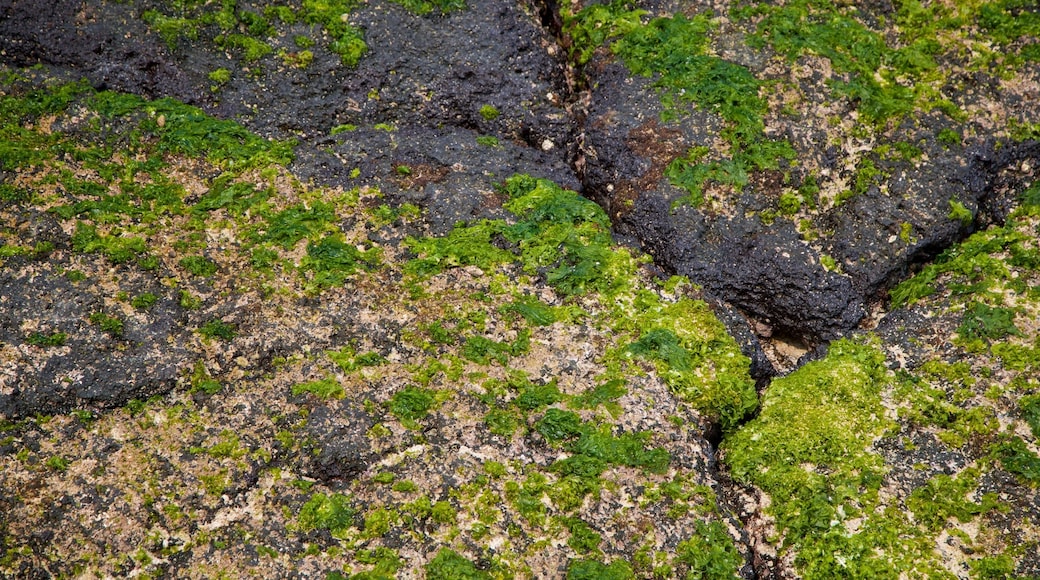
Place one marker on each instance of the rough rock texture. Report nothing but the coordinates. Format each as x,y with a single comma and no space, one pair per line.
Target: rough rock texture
330,324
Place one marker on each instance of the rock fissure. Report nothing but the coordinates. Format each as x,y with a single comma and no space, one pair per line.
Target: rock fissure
385,338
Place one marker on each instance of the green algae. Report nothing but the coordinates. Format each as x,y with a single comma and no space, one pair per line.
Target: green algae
332,512
327,388
674,52
810,449
450,565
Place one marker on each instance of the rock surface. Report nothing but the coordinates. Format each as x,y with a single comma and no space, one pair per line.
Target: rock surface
345,319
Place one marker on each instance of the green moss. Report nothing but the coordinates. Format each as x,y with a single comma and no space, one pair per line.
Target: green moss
379,521
144,301
328,388
488,141
236,198
171,29
944,497
993,567
583,539
709,553
220,76
411,404
1030,408
975,263
557,425
57,463
349,360
187,130
1016,457
332,260
117,248
696,357
605,394
110,324
46,340
202,382
533,310
988,323
810,449
489,112
199,265
297,222
421,7
483,350
329,512
557,232
595,570
450,565
675,52
217,328
346,40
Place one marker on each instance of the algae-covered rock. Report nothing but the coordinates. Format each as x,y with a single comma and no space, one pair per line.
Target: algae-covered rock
336,289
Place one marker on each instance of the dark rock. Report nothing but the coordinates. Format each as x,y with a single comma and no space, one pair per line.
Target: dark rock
343,448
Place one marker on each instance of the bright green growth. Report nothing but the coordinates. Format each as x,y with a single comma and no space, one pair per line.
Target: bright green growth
217,328
710,553
297,222
604,394
188,301
379,521
170,28
328,388
348,359
987,323
410,404
57,463
344,128
348,41
960,213
675,52
422,7
332,261
184,129
944,497
1030,407
583,539
221,76
46,340
872,68
993,567
450,565
252,49
330,512
117,248
489,112
229,446
628,449
810,449
949,137
110,324
973,262
557,425
144,300
595,570
533,310
488,141
198,265
483,350
202,381
557,232
1016,457
236,198
696,357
